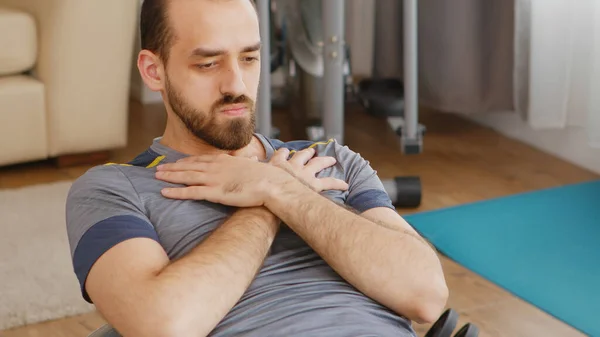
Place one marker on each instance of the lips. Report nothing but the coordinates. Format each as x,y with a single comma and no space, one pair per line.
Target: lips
235,109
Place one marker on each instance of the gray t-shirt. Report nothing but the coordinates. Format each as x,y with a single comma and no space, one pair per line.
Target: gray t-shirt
295,293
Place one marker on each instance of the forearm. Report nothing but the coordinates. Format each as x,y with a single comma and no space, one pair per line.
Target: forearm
205,284
391,266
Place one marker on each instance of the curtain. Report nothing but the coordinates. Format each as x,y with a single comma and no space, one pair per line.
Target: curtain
563,66
466,52
537,59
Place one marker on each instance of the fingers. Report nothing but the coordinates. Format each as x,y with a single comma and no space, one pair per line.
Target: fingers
318,164
280,156
330,183
183,177
300,158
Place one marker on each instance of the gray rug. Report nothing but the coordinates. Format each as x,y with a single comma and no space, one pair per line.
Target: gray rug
37,282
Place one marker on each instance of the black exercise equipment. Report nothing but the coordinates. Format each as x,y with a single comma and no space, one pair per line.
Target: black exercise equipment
382,97
445,325
468,330
405,192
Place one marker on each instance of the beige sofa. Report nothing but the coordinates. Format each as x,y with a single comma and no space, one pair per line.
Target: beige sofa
64,76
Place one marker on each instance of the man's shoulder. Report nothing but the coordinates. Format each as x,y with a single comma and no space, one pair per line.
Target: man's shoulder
99,179
112,175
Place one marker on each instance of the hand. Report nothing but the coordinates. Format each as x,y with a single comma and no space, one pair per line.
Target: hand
223,179
304,166
243,182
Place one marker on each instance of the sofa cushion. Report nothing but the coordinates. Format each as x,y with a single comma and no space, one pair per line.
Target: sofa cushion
18,41
23,135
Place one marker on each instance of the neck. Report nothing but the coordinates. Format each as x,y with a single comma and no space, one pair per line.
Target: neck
182,140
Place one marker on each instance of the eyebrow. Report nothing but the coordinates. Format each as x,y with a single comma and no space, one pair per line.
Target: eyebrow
203,52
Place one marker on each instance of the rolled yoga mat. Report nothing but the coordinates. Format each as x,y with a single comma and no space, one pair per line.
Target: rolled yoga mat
542,246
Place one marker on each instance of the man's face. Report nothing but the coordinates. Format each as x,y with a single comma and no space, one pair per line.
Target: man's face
213,70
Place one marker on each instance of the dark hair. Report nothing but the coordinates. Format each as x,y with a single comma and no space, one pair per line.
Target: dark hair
155,31
156,34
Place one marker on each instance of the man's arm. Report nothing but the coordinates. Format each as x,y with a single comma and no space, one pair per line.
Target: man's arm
141,293
393,266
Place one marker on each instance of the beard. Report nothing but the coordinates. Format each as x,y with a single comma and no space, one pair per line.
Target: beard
230,135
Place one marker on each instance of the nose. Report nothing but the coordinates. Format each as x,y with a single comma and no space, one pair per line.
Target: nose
232,82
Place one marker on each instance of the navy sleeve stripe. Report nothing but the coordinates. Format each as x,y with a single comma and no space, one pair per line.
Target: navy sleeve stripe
103,236
370,199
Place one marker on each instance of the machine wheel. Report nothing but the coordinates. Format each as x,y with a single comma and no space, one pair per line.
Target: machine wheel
444,326
405,192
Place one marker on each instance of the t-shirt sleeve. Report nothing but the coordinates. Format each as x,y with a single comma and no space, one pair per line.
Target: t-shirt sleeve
102,210
366,190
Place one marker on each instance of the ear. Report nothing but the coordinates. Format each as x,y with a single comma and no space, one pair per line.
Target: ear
151,69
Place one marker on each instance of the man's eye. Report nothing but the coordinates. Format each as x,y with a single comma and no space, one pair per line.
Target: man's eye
205,65
250,59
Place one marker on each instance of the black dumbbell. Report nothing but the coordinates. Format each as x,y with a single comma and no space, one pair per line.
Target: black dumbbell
405,192
468,330
444,326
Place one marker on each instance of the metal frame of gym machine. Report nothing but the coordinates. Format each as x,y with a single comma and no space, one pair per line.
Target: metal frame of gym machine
411,133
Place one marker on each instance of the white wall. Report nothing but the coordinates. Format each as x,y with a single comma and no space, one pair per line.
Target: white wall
564,74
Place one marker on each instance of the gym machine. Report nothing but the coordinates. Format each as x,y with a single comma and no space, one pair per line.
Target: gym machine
317,52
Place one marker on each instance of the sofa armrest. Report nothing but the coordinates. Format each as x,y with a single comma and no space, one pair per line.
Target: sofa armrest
85,56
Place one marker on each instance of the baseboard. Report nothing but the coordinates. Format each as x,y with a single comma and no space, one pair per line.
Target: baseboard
571,143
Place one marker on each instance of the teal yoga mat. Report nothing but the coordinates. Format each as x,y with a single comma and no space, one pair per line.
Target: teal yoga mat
542,246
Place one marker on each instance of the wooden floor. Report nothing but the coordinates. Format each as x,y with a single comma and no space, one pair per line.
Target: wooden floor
461,163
